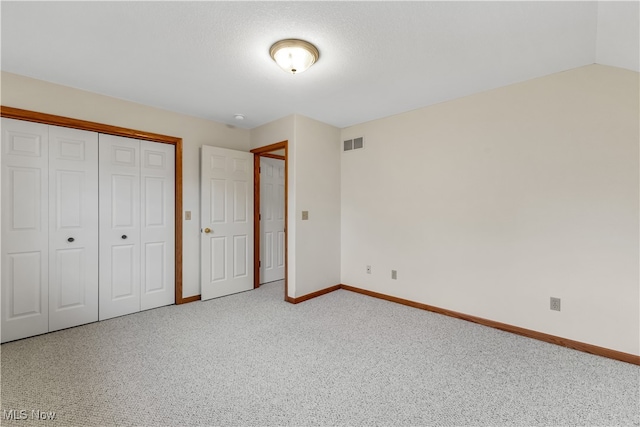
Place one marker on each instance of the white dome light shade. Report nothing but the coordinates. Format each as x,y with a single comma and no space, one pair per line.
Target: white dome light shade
294,56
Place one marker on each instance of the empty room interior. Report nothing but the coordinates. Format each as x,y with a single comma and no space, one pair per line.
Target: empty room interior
320,213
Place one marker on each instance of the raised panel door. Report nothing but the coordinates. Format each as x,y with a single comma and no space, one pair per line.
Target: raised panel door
272,220
25,229
227,221
157,198
119,270
73,227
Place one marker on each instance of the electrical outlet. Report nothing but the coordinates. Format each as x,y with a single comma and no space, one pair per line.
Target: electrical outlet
555,304
368,269
394,274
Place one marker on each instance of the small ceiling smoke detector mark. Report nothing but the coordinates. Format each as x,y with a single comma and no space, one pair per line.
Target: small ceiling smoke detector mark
354,144
238,116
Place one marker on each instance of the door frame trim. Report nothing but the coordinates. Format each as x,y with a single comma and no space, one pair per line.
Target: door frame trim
51,119
267,151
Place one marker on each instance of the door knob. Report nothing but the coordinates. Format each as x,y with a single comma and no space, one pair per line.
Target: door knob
70,239
124,236
207,230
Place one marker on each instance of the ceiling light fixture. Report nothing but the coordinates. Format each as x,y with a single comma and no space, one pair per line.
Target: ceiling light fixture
239,116
294,56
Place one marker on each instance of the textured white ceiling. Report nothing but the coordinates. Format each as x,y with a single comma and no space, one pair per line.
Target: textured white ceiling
211,59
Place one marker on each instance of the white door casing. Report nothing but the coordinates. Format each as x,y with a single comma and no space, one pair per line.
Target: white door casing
157,182
25,228
271,220
119,226
73,227
226,184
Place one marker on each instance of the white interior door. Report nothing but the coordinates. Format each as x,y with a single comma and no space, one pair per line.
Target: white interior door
119,226
73,227
271,220
25,229
226,184
157,193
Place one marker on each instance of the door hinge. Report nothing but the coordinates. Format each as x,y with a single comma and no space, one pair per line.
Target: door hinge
259,263
259,216
260,170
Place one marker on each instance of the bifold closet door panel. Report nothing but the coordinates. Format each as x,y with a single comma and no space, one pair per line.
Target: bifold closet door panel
157,197
25,221
119,176
73,227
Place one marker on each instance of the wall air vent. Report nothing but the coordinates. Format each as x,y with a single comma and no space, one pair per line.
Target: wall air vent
354,144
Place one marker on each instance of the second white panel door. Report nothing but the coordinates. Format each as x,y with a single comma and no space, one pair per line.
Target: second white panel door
157,200
137,225
73,227
119,226
226,201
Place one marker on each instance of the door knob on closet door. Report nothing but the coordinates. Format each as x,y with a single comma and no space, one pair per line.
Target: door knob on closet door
207,230
71,240
124,236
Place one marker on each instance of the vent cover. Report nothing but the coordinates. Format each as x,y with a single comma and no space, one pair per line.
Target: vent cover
354,144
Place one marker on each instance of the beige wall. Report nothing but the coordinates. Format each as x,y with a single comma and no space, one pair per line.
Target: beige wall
30,94
490,204
317,174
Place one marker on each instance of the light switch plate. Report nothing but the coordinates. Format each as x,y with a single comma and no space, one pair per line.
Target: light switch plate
187,215
305,215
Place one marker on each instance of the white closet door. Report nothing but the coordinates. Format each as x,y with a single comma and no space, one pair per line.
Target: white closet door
119,226
158,224
73,227
24,229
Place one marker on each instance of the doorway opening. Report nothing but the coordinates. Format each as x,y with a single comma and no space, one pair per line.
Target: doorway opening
279,150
